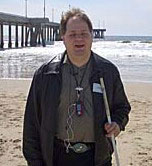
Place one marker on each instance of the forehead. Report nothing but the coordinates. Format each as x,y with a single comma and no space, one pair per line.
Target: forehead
76,24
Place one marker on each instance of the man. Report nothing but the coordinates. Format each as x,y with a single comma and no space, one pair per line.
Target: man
65,121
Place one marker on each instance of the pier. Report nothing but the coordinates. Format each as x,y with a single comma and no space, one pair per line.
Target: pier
23,31
98,33
27,31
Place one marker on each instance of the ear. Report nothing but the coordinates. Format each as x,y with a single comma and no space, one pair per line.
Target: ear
63,38
92,35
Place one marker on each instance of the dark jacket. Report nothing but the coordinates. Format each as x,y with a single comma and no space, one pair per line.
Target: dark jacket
42,106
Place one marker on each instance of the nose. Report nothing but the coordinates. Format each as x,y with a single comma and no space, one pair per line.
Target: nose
79,36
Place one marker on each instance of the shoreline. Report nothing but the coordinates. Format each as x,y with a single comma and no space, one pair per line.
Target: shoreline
135,140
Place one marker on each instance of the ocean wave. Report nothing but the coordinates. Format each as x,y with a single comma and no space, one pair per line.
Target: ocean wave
148,42
133,59
126,41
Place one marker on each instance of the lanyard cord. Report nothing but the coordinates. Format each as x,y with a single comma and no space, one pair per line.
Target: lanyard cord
78,84
71,108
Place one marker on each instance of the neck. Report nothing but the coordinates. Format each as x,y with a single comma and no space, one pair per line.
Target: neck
79,61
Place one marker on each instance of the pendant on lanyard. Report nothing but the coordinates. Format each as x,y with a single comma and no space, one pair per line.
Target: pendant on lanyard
79,104
79,108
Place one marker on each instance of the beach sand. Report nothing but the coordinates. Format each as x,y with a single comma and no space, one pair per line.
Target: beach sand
134,145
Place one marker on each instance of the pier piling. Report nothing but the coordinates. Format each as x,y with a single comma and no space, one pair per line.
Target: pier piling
22,36
16,36
1,36
10,37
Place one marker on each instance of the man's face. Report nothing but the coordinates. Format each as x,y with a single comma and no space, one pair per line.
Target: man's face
78,38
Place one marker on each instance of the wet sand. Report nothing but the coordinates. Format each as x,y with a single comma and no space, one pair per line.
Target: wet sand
134,145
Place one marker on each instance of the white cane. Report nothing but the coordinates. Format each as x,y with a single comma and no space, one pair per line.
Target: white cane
109,119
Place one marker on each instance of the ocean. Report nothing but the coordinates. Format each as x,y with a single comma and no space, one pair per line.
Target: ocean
131,54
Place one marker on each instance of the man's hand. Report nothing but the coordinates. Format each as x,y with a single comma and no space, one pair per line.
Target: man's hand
112,128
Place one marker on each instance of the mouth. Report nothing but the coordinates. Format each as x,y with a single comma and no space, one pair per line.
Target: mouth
79,46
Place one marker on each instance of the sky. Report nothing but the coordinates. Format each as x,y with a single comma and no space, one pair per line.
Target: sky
118,17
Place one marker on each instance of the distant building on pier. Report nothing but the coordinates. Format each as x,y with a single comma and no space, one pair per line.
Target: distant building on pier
98,33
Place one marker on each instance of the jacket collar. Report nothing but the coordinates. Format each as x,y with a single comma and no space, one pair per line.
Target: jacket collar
55,67
97,66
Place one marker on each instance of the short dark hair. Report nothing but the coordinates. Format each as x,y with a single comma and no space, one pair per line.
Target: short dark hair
71,13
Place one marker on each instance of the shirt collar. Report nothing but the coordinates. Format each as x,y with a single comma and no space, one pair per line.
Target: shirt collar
65,59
